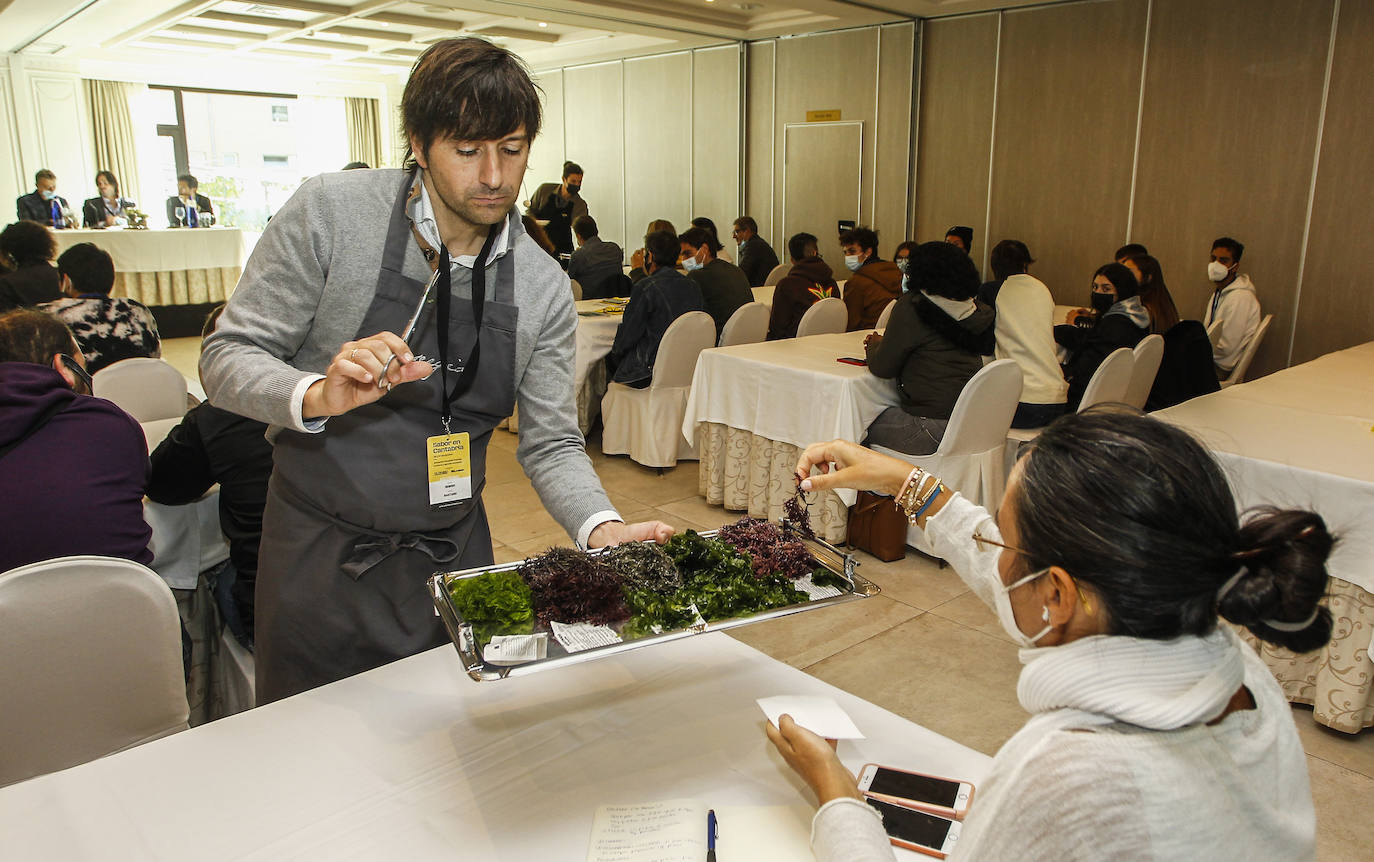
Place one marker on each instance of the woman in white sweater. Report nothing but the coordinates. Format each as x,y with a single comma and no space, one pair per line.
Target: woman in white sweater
1155,733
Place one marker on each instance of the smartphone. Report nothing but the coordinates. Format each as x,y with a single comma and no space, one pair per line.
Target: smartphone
852,360
918,830
944,796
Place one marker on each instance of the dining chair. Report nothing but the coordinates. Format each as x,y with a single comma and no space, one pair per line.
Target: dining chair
886,315
1247,354
146,389
748,325
776,274
826,316
1145,365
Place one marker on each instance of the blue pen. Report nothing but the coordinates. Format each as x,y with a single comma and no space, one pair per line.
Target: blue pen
711,835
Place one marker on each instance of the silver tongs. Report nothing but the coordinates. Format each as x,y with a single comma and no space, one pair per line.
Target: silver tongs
383,382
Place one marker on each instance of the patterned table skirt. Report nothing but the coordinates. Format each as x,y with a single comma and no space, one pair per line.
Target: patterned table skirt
178,287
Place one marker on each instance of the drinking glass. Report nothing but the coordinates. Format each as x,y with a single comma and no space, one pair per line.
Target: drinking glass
181,216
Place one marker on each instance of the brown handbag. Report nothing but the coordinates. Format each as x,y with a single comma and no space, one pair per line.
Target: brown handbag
877,526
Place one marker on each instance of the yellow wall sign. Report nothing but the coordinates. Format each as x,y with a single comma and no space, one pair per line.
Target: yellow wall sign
822,116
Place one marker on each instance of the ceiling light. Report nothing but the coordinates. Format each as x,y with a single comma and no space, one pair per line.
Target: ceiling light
543,23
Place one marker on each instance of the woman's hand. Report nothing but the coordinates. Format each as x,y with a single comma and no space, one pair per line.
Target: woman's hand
855,467
813,758
872,340
1075,313
352,379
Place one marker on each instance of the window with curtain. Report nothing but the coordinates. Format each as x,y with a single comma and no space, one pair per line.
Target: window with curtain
364,131
112,127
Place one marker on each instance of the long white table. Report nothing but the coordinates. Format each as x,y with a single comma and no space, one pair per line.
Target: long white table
415,761
1304,437
182,266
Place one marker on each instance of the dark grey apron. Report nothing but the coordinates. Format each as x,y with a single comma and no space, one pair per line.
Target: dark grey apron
349,538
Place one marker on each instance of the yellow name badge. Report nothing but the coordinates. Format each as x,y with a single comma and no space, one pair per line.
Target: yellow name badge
450,468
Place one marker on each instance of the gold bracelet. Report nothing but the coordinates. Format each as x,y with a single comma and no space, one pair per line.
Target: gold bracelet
919,495
910,489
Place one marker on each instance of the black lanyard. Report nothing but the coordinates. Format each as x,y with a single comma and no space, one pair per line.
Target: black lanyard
479,296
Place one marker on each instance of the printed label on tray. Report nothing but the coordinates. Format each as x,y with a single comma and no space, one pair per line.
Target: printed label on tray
805,584
576,637
516,649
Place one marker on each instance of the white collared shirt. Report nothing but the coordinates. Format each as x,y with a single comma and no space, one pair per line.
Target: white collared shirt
421,212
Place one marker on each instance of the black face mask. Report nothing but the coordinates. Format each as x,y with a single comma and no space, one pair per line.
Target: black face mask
572,190
1103,301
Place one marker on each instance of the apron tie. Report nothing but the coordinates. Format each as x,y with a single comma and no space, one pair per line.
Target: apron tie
368,551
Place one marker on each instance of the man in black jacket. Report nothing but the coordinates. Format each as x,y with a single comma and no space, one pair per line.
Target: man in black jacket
42,204
597,265
756,257
657,300
197,205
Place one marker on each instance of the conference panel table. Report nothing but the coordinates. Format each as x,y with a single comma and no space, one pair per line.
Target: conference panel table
415,761
170,266
1304,437
756,406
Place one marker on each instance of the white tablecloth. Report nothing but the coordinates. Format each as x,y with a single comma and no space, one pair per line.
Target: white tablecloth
595,335
170,266
415,761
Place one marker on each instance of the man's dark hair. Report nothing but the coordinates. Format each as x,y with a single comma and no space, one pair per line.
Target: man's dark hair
1237,248
1130,249
800,244
29,335
747,223
942,269
1121,278
470,90
1010,257
44,174
663,247
27,243
584,226
569,168
863,237
696,237
89,267
110,178
356,166
965,234
189,180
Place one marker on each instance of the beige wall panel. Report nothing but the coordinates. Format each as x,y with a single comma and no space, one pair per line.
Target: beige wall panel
1068,86
954,133
758,143
893,133
821,186
1336,309
593,119
715,137
546,155
1232,98
658,143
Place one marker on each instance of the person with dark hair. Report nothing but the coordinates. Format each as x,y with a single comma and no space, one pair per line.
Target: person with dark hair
710,227
1119,320
43,204
1155,732
537,234
1154,293
657,300
357,166
315,343
873,282
1025,334
756,257
72,467
962,237
637,258
597,265
557,204
808,281
107,208
902,257
1233,303
197,209
108,328
1129,250
935,341
724,286
28,278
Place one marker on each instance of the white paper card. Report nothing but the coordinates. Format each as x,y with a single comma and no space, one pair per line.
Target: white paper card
576,637
516,649
820,715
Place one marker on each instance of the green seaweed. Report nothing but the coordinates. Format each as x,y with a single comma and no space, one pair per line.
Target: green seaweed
497,603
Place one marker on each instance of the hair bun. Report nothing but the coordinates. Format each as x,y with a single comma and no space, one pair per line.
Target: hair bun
1281,580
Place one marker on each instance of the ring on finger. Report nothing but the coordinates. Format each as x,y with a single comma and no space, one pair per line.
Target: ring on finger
352,353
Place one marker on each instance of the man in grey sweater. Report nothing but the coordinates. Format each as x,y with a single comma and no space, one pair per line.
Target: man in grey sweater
380,440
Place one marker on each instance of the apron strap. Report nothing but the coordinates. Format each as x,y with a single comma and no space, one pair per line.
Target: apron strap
369,551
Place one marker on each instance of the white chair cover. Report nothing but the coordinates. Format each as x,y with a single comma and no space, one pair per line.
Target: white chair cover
970,457
1147,356
576,289
646,424
1212,332
824,317
90,663
1110,380
1237,374
748,325
146,389
776,274
887,313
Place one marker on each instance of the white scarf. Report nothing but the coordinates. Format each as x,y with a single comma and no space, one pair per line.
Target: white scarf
1154,684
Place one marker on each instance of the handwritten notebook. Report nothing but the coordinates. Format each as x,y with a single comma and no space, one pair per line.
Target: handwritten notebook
675,831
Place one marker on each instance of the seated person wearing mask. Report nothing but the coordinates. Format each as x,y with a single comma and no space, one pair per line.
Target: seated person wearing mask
1154,293
108,328
902,256
72,467
935,341
188,197
806,283
710,227
657,300
724,287
1025,334
873,282
107,208
597,264
27,249
1121,321
1233,302
1155,733
756,257
42,204
962,237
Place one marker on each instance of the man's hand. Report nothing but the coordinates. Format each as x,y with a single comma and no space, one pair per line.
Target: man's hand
618,532
813,758
637,259
873,340
352,378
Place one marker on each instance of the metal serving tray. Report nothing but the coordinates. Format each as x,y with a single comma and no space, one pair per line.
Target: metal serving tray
823,553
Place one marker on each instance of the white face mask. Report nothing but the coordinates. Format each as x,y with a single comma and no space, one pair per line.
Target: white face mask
902,263
1007,617
905,285
1217,271
851,262
691,264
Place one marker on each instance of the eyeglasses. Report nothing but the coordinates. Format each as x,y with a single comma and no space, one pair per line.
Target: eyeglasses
81,374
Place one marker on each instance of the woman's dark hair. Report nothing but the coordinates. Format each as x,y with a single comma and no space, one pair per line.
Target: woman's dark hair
1121,278
909,247
942,269
29,335
1137,510
109,178
470,90
27,243
539,235
89,267
569,168
698,236
1154,293
706,224
1130,249
663,247
1010,257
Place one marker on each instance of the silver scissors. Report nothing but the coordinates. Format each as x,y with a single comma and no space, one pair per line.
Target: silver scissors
383,382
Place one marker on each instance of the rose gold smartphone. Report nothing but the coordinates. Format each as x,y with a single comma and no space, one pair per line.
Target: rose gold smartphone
947,797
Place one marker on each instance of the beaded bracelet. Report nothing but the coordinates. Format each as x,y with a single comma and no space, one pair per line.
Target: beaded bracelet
915,472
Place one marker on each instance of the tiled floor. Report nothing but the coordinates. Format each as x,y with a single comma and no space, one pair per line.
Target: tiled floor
926,649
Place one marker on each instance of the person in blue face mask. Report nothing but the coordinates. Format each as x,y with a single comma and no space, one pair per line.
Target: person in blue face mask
873,282
43,203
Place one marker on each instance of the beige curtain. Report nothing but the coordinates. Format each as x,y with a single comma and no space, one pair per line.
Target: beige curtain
113,128
364,131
